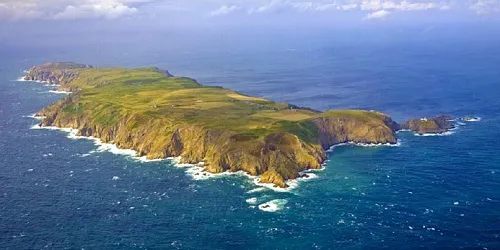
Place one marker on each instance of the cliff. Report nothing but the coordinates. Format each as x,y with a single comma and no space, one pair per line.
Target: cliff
54,73
162,116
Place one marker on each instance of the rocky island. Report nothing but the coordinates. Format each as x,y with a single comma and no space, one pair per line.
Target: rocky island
435,125
160,116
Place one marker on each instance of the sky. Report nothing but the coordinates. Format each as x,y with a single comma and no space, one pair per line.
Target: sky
99,21
244,10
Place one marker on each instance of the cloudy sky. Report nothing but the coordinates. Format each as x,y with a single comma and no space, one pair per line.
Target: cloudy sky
366,10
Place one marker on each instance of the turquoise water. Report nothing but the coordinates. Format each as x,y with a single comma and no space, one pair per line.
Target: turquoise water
431,192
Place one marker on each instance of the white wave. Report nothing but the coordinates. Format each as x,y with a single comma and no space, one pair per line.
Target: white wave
60,92
101,147
292,184
255,190
47,83
436,134
273,206
472,119
145,159
461,123
115,178
67,130
112,148
447,133
252,200
397,144
34,116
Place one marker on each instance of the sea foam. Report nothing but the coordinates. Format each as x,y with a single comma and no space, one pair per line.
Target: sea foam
367,145
59,92
273,206
252,200
472,119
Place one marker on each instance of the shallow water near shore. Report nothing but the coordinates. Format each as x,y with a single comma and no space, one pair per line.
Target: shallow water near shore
429,192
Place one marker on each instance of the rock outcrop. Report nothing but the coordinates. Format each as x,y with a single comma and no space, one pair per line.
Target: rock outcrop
435,125
54,73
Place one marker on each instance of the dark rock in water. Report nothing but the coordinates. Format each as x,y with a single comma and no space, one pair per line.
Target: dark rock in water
435,125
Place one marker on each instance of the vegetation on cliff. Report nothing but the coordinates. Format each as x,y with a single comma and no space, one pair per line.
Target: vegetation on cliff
161,116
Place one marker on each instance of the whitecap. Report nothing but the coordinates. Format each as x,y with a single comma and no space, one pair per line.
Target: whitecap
112,148
34,116
145,159
115,178
472,119
252,200
292,184
256,190
436,134
59,92
397,144
273,206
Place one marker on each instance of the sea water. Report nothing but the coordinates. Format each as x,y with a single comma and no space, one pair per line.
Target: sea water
58,191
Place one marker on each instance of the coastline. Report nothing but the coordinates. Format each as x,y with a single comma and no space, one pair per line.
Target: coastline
196,171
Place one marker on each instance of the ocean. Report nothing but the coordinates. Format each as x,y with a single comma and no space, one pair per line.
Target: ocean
434,192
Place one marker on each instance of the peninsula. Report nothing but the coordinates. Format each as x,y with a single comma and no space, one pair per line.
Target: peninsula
160,115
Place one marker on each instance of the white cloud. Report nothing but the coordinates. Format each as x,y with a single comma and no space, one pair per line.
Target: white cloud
483,7
380,14
225,9
350,6
67,9
94,9
112,9
404,5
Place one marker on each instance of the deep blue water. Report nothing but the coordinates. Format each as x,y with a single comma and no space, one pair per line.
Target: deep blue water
431,192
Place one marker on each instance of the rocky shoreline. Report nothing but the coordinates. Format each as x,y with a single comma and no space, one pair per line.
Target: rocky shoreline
276,156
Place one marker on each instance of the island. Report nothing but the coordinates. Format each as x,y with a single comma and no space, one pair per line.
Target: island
160,115
434,125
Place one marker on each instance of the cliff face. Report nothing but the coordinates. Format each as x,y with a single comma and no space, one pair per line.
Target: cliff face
435,125
227,131
335,130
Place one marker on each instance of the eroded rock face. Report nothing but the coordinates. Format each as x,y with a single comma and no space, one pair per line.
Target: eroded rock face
337,130
54,73
435,125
